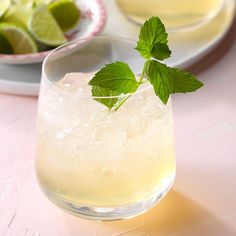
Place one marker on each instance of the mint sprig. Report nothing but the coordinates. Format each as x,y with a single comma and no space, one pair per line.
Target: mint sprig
114,84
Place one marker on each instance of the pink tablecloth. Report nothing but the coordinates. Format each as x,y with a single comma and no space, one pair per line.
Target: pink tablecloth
203,199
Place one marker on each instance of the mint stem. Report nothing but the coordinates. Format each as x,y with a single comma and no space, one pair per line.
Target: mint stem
122,102
140,81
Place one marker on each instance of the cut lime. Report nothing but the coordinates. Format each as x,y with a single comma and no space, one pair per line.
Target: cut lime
4,5
5,46
18,14
44,27
20,41
65,12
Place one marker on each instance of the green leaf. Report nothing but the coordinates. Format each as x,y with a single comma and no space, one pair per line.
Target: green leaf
183,81
166,80
104,96
151,33
116,77
158,75
160,51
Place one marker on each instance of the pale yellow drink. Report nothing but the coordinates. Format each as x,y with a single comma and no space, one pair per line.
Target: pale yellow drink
174,13
89,157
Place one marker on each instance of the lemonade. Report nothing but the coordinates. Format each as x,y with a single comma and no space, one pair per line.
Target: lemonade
174,14
105,146
89,157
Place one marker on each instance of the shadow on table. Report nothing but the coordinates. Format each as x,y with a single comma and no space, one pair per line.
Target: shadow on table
175,215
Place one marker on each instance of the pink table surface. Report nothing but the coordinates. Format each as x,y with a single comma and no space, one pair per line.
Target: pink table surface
203,198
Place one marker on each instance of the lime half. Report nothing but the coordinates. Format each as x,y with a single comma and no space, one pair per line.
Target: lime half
65,12
19,40
4,5
44,27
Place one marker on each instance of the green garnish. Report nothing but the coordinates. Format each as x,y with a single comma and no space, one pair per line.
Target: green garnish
115,83
116,77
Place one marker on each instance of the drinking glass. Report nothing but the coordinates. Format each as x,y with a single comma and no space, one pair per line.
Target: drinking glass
91,162
176,15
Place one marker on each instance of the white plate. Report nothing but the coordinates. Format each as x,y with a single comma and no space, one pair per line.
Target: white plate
187,47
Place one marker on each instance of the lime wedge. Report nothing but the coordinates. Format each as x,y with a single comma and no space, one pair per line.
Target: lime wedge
5,46
65,12
20,41
18,14
4,5
44,27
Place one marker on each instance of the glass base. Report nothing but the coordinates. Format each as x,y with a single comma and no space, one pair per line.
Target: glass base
106,213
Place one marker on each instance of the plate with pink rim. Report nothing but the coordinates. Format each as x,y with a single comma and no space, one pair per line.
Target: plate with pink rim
92,21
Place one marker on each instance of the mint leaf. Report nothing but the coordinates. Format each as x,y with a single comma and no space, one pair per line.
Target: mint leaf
116,77
183,81
160,51
158,75
166,80
151,33
105,96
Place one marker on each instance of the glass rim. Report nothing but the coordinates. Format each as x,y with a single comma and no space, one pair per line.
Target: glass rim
76,42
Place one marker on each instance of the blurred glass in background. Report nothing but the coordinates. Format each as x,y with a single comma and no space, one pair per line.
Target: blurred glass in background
175,14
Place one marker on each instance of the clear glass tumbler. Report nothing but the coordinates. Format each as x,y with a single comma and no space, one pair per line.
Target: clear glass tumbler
94,163
176,15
